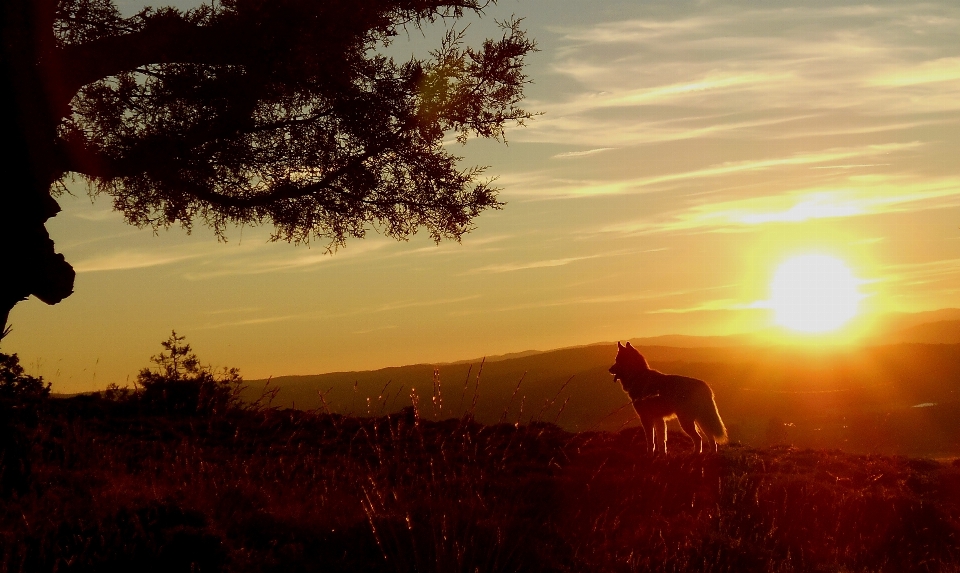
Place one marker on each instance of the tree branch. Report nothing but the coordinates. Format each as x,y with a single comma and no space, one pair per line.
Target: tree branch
166,39
282,192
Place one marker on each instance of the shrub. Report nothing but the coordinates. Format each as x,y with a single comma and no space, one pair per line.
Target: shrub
15,385
19,396
180,384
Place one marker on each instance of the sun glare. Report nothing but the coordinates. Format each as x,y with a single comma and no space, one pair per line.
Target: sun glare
814,293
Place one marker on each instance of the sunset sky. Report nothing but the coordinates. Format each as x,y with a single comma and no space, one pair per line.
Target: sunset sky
685,150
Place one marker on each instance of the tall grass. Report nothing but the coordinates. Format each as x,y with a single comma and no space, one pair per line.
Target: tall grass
116,486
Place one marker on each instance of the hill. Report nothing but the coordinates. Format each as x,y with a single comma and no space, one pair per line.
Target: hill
897,399
904,327
940,332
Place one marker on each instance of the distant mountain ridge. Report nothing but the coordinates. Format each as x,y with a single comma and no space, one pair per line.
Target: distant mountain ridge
940,332
818,393
940,326
671,340
899,321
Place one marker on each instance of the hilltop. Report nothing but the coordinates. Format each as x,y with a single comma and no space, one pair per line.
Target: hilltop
893,398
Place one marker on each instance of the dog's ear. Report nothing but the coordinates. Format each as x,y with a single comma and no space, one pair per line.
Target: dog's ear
620,346
628,344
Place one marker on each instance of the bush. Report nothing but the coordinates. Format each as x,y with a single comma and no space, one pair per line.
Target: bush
179,384
19,397
15,385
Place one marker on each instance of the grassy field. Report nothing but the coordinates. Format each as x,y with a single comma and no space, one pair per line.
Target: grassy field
91,484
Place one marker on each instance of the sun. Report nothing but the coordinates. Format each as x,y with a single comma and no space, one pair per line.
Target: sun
814,293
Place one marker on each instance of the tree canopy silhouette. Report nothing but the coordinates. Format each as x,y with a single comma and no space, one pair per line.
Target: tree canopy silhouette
277,112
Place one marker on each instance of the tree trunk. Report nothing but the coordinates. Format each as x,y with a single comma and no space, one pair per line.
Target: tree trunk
30,162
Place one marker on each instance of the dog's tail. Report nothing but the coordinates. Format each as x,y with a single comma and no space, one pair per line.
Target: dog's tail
711,423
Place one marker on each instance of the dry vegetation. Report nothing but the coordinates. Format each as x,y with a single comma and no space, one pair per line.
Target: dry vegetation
181,475
93,484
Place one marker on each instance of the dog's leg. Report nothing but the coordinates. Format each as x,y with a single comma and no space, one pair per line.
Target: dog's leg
660,431
649,441
690,428
712,446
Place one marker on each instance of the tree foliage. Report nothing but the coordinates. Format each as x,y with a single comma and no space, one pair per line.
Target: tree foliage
16,385
277,112
179,384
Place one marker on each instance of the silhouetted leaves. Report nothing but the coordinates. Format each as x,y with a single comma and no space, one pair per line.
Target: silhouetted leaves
283,112
180,384
20,396
277,112
16,385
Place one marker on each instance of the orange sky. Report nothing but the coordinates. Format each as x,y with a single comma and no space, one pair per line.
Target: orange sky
684,151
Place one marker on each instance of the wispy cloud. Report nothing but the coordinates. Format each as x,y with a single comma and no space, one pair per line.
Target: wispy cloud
126,260
97,215
270,258
314,316
736,167
618,298
542,264
510,267
545,186
726,304
253,321
929,72
921,272
880,65
469,244
581,153
864,196
423,303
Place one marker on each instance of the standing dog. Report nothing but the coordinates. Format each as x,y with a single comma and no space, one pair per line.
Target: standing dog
658,397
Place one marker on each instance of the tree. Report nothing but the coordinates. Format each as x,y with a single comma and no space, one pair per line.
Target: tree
277,112
180,384
18,386
20,394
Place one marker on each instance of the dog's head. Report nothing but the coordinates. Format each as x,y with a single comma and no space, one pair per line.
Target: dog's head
629,362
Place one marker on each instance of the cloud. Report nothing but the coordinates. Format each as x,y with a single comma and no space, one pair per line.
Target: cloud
767,66
252,321
97,215
726,304
314,316
921,272
469,244
272,258
933,71
592,300
510,267
625,130
542,185
863,196
520,266
423,303
581,153
735,167
126,260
